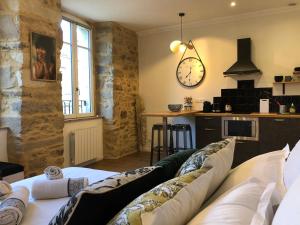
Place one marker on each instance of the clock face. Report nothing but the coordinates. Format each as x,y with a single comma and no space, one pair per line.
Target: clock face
190,72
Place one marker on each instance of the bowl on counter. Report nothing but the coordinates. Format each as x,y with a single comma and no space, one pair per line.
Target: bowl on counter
288,78
278,78
175,107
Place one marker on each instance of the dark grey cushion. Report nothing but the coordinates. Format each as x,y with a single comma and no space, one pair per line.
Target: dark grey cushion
172,163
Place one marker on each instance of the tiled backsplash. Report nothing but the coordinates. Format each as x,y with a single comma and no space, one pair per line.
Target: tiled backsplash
285,100
246,100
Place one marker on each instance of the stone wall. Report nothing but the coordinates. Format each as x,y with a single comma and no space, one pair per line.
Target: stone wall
31,109
116,59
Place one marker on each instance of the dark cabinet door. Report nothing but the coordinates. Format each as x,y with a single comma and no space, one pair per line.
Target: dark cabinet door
208,130
244,150
275,133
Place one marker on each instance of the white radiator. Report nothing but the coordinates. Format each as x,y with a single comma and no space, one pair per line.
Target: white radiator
85,145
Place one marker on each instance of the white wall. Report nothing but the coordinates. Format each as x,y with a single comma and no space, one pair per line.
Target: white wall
275,50
81,124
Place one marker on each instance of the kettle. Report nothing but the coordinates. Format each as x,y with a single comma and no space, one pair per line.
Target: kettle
207,107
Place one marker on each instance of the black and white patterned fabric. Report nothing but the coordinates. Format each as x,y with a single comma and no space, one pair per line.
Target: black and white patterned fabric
13,208
11,212
75,185
97,188
53,173
196,160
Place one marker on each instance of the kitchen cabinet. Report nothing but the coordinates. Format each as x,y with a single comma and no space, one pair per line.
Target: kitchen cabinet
275,133
244,150
208,130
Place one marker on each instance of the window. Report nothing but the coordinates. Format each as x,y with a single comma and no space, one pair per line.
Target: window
76,68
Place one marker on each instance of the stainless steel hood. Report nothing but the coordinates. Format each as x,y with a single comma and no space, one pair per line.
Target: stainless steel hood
244,64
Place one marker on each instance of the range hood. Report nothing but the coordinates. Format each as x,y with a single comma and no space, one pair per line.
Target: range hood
244,65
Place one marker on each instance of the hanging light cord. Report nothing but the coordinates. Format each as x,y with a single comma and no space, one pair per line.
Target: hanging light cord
181,28
181,15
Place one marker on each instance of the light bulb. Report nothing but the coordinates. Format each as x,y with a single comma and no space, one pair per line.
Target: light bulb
233,4
182,47
174,46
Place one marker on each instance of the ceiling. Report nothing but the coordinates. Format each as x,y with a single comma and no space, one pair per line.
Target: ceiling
141,15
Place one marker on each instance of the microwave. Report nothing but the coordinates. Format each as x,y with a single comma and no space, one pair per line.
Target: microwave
242,128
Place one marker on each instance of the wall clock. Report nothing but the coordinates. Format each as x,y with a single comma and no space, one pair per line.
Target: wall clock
191,70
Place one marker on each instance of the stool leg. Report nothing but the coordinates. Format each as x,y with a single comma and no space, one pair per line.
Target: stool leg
171,148
158,146
184,139
177,140
152,147
191,139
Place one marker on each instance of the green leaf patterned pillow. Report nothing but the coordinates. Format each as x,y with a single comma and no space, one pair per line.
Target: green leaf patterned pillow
197,159
174,202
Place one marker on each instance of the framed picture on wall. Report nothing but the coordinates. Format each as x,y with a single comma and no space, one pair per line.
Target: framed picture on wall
43,57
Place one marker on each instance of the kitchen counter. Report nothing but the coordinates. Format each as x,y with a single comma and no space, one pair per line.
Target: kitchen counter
199,113
262,115
170,114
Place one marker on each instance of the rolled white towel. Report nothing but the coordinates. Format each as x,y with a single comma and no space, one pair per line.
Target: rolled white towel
5,189
12,209
53,173
49,189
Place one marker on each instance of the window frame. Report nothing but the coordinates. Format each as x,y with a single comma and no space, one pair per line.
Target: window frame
74,22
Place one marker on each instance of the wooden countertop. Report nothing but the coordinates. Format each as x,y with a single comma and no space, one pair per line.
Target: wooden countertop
170,114
199,113
267,115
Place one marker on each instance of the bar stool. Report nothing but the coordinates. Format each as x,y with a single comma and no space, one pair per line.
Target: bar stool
178,128
159,128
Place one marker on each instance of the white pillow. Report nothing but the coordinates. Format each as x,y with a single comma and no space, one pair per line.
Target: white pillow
292,166
221,161
237,206
267,167
264,213
288,212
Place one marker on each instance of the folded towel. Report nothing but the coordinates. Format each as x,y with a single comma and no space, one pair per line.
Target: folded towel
5,189
53,173
48,189
12,209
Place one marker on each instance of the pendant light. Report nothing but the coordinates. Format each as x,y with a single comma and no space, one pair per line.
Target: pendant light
177,45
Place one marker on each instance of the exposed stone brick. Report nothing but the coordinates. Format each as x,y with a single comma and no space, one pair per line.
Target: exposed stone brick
117,87
31,109
8,27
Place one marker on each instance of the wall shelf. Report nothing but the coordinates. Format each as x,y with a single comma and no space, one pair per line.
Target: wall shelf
284,83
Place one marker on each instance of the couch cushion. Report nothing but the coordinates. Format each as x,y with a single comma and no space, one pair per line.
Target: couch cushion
270,163
292,166
239,206
196,160
173,202
100,201
288,212
218,155
172,163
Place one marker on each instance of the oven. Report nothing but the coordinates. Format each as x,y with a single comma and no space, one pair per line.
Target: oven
242,128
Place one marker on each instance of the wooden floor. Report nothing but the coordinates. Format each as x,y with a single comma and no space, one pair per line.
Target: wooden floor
126,163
